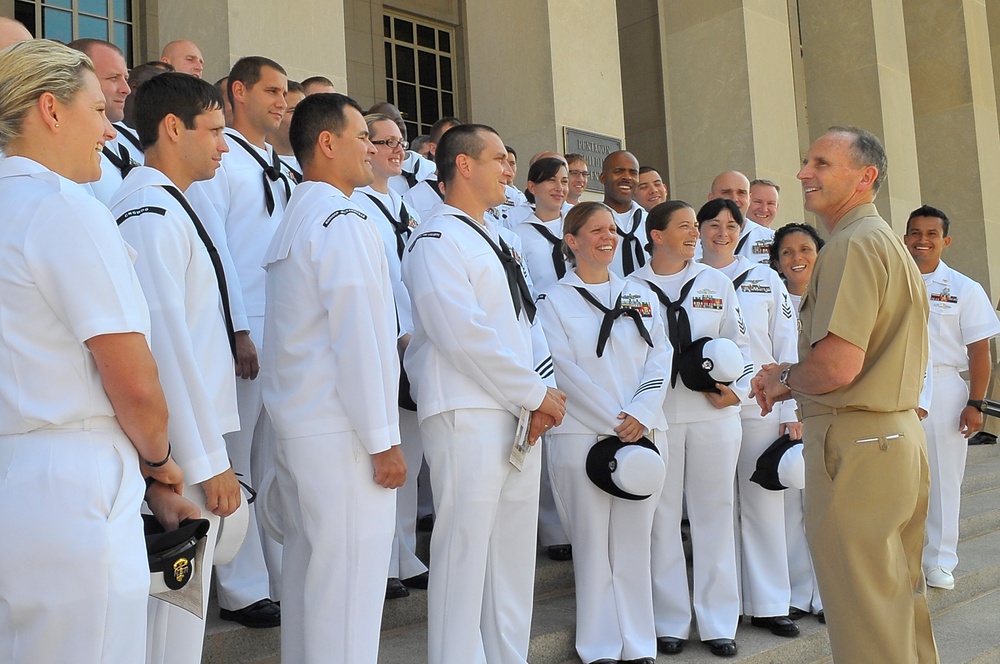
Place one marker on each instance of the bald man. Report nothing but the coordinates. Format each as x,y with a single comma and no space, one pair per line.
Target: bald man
185,56
755,240
12,31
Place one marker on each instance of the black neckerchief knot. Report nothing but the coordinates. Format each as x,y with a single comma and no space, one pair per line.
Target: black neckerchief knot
520,295
678,324
401,226
610,316
271,172
558,262
633,256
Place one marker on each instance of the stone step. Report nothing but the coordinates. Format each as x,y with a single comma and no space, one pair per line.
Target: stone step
404,621
968,632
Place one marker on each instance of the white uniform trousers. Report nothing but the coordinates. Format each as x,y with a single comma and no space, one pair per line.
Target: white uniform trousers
338,528
550,527
611,555
403,563
483,545
255,572
173,635
801,574
75,579
702,471
764,553
947,450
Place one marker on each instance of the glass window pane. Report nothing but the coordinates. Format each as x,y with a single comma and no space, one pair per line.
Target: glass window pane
425,129
411,129
406,99
446,82
57,24
123,39
425,36
428,68
25,13
447,104
388,60
404,31
405,67
444,41
59,3
123,10
429,111
90,26
387,27
99,7
389,94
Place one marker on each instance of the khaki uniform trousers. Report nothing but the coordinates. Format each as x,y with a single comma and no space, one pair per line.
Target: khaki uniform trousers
867,489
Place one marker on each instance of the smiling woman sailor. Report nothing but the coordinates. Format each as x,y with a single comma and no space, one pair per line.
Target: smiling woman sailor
612,359
80,406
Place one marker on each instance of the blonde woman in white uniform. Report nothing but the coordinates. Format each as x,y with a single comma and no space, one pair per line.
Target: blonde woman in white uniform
771,329
81,409
703,445
614,375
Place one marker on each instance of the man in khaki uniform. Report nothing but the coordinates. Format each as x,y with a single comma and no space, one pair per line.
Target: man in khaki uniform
863,351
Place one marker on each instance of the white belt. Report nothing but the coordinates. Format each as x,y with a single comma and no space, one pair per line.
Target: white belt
87,424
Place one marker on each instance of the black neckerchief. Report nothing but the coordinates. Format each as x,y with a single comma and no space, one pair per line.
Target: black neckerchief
558,262
132,137
122,161
213,254
678,323
291,171
401,226
742,242
738,281
519,293
272,172
610,316
633,256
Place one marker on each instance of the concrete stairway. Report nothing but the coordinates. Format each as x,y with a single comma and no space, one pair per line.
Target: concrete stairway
966,620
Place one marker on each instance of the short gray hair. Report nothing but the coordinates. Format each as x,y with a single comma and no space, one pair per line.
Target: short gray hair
867,150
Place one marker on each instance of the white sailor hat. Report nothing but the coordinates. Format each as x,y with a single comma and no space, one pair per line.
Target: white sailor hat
709,361
633,471
232,532
781,466
175,555
269,509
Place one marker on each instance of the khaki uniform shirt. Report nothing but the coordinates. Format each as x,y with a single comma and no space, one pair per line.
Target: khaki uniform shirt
866,289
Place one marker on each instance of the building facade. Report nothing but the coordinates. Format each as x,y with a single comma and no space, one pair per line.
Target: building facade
691,87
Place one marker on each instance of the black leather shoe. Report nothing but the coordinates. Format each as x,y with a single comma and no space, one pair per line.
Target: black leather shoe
796,613
779,625
605,660
418,581
394,589
561,552
983,438
263,613
722,647
669,645
641,660
821,617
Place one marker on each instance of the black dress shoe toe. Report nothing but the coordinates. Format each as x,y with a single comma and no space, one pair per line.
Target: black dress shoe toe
394,589
418,581
561,552
669,645
821,617
605,660
641,660
796,613
260,614
779,625
722,647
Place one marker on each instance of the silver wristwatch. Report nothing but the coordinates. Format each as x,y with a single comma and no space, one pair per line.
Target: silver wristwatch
783,377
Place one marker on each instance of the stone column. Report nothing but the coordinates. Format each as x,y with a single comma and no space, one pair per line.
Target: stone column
856,73
535,66
306,38
730,96
955,114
